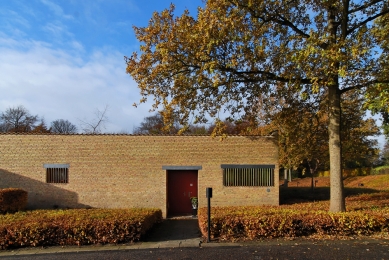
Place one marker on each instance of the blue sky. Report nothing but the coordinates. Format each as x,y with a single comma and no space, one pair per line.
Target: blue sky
63,59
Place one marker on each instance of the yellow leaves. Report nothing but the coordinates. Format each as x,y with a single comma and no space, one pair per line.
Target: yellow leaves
377,98
220,129
232,56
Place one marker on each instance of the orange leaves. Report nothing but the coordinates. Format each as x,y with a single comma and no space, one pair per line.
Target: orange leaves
75,227
302,219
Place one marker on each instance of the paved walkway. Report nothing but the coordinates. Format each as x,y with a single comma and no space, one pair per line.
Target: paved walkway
175,232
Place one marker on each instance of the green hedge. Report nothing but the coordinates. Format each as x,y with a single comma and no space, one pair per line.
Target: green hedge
12,200
231,223
75,227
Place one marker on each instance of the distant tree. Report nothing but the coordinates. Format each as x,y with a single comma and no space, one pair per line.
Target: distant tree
122,132
358,147
198,130
3,128
62,126
18,119
385,154
41,128
228,127
97,124
155,124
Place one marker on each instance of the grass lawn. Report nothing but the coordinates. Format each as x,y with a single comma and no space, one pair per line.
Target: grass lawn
362,192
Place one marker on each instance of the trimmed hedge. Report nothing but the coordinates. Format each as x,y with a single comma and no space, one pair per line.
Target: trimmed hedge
12,200
231,223
75,227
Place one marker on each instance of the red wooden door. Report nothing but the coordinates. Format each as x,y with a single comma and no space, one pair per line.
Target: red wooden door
182,185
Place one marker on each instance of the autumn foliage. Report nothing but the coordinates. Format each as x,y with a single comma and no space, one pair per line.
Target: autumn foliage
249,223
367,214
12,200
75,227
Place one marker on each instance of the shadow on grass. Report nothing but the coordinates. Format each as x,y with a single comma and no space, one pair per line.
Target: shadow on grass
292,195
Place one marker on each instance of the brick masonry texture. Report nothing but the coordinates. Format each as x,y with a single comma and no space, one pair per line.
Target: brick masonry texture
123,171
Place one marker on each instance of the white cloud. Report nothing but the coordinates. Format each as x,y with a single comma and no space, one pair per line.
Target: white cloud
15,18
58,85
13,23
57,30
76,46
56,9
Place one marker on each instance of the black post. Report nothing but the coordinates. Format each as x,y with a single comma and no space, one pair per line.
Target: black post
209,196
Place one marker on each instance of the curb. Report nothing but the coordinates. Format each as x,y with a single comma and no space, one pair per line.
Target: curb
67,249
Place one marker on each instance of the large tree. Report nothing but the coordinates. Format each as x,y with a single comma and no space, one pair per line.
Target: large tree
18,119
237,51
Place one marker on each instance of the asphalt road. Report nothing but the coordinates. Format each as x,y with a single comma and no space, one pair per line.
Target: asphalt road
319,250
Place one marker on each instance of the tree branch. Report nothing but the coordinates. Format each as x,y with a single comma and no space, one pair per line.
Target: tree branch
359,86
94,126
366,21
281,21
266,75
289,24
360,8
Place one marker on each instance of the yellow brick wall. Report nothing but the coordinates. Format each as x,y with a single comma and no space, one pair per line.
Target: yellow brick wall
121,171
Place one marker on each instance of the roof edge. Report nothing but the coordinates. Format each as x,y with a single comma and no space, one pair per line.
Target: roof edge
119,134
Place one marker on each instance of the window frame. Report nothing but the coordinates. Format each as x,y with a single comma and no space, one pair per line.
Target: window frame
248,175
57,173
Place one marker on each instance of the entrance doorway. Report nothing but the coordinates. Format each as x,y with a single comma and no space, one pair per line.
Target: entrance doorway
182,185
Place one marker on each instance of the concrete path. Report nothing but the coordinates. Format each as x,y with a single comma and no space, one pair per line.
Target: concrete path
175,232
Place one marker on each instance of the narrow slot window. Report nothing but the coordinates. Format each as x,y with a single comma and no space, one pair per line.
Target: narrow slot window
248,175
57,173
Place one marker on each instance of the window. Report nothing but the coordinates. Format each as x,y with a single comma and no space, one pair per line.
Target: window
248,175
57,173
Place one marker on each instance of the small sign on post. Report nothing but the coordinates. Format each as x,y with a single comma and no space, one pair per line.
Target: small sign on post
208,192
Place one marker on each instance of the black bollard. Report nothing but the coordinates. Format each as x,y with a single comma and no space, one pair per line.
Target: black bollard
209,196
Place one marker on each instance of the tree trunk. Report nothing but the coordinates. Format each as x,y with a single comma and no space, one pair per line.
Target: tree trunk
285,177
337,201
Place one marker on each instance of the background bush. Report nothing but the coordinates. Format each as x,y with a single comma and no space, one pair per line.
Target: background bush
12,200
